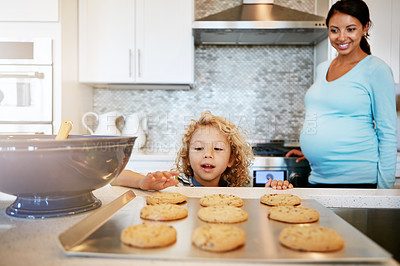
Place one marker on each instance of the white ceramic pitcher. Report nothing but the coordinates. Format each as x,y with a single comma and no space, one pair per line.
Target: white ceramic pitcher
136,126
106,123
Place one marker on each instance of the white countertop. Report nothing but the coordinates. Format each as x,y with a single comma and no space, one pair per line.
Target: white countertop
35,242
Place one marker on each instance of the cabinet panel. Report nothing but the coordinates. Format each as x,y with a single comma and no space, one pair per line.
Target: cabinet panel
136,41
28,10
164,41
105,41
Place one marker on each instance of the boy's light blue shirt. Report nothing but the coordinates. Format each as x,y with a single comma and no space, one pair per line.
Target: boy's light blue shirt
349,132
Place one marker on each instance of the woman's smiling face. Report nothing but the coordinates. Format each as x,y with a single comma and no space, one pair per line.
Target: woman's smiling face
209,155
345,33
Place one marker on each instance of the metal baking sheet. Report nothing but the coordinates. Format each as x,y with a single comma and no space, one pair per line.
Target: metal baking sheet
262,244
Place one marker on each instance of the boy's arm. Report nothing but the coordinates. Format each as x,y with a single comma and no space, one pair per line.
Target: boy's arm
152,181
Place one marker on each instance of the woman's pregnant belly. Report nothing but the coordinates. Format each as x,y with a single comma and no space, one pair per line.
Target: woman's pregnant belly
338,139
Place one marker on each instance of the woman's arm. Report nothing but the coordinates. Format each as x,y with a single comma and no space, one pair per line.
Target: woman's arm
296,153
384,115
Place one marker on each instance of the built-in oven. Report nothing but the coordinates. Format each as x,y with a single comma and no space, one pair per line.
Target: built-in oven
270,163
26,86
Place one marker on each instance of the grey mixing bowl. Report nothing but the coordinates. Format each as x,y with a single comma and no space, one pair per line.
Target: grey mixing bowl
54,178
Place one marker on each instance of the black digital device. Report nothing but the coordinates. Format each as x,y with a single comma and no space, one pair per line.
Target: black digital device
260,177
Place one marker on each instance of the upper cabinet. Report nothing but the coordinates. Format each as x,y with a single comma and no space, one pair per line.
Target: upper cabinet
29,11
136,41
106,41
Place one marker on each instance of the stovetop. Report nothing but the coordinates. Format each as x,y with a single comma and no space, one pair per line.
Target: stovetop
274,148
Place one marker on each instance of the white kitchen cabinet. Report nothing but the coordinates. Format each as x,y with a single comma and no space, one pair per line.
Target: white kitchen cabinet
384,35
105,40
136,41
28,10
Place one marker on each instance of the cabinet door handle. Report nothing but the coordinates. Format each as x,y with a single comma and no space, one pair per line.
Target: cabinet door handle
139,63
130,63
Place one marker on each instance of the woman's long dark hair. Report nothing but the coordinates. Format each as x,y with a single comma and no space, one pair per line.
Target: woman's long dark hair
357,9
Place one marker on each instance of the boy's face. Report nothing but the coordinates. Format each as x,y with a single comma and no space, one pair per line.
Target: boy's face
209,155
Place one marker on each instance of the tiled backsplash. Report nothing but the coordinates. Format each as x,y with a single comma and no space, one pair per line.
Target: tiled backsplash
260,88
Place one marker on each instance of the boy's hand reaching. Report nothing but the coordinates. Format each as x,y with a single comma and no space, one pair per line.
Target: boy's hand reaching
156,181
275,184
159,180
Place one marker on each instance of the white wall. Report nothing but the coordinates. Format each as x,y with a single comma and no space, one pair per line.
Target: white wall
75,98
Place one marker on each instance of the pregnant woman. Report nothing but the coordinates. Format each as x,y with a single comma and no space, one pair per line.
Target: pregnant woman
349,132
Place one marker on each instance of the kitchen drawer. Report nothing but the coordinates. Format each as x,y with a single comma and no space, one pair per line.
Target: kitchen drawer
145,163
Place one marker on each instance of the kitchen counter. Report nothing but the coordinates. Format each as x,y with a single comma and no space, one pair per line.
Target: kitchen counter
146,160
35,242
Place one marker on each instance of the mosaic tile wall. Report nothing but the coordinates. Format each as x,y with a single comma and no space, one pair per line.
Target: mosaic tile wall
260,88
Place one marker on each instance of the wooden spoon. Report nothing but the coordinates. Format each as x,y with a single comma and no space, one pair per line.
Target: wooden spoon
64,130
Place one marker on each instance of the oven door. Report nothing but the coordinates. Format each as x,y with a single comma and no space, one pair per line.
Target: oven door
26,94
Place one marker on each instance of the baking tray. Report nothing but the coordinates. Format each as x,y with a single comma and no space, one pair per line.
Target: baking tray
262,244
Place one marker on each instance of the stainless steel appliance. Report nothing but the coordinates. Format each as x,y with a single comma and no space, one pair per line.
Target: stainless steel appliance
98,235
270,162
26,86
260,22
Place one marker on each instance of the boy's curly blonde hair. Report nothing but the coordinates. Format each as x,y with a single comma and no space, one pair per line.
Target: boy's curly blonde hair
238,173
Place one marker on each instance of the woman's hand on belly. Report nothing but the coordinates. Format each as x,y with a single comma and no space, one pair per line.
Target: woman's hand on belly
296,153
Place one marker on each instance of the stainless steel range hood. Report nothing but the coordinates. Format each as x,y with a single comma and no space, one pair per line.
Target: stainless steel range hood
260,22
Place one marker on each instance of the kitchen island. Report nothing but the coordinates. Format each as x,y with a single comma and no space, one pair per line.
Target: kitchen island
35,242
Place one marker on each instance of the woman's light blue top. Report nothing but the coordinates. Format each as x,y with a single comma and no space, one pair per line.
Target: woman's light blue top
349,132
